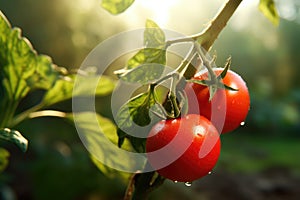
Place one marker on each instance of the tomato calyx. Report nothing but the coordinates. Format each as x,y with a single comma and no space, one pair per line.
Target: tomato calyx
215,82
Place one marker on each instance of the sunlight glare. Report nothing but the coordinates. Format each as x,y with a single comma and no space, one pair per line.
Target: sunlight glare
84,6
160,9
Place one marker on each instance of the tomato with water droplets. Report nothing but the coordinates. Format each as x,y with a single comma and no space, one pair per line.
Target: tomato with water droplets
183,149
228,108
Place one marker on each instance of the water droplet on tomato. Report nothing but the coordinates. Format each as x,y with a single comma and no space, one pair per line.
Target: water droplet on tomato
242,123
175,181
209,173
188,184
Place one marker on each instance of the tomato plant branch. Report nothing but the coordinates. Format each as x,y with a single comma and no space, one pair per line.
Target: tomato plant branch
174,76
140,185
5,115
172,95
47,113
22,116
207,64
186,61
179,40
207,37
130,188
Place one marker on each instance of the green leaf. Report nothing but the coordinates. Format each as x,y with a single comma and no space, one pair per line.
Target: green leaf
132,116
4,154
105,86
146,56
268,8
136,110
145,66
154,36
116,6
99,136
145,183
144,74
121,137
138,144
110,172
14,137
150,61
63,88
21,70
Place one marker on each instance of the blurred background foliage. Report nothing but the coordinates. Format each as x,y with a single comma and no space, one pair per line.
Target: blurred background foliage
58,166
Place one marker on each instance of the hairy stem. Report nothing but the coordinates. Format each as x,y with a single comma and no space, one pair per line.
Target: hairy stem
130,188
207,64
172,96
207,37
22,116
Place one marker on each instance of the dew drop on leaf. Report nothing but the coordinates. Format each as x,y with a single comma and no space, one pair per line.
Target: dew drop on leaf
242,123
188,184
175,181
209,173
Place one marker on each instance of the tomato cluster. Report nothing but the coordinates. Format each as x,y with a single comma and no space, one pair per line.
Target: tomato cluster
187,148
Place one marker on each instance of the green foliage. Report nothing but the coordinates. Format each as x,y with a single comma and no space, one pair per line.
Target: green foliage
99,138
14,137
63,88
267,7
266,153
4,154
116,6
154,36
135,111
110,172
145,56
147,64
148,69
21,70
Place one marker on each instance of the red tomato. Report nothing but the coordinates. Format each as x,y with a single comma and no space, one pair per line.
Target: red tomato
228,109
183,149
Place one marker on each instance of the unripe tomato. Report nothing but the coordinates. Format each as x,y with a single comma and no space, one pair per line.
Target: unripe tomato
183,149
228,108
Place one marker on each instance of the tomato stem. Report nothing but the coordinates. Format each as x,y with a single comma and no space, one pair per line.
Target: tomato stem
22,116
172,95
140,185
208,36
187,62
207,64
